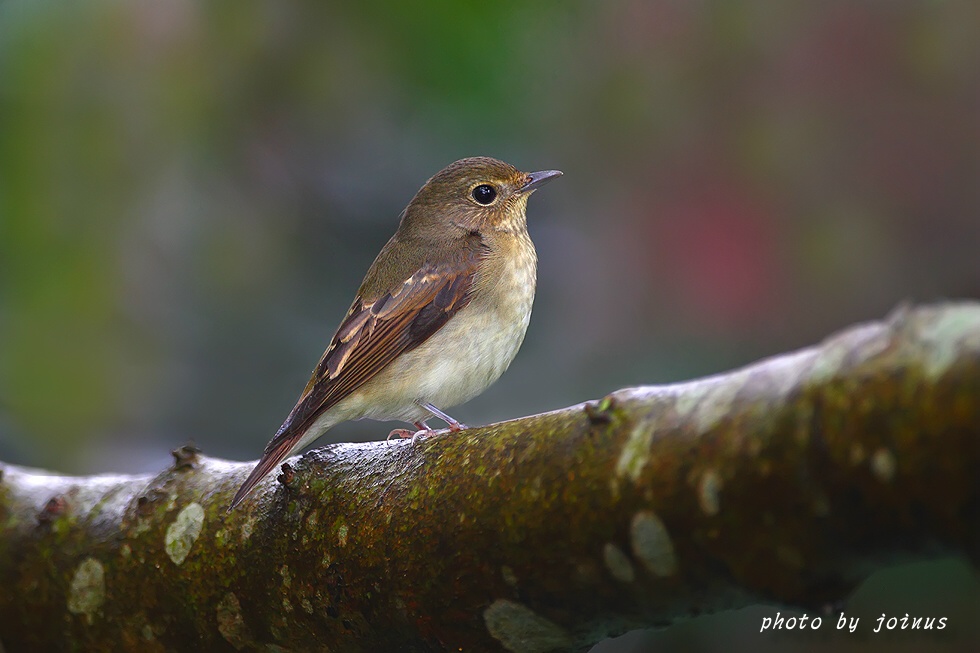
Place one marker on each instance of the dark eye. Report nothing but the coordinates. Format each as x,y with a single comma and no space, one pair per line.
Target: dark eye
484,194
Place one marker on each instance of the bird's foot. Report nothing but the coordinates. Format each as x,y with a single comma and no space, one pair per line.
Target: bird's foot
400,433
422,432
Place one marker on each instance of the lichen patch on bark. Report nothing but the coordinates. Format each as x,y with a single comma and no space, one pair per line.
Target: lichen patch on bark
709,492
883,465
87,590
520,630
652,545
636,451
183,532
618,563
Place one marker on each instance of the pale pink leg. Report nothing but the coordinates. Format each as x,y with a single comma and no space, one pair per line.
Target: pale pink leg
453,424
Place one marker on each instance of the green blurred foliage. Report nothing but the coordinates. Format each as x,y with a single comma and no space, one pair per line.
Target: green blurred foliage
189,193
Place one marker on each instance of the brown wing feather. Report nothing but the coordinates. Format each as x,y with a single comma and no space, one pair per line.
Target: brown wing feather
374,333
370,337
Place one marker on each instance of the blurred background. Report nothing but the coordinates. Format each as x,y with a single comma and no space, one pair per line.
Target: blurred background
190,194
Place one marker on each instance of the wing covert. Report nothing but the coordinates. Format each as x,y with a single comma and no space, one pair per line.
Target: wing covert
376,332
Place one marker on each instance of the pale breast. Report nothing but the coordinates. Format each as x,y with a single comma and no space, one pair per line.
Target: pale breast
470,352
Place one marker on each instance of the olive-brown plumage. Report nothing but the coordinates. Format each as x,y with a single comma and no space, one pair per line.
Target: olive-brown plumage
439,316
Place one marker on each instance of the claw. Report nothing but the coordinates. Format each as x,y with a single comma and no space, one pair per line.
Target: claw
423,431
400,433
420,434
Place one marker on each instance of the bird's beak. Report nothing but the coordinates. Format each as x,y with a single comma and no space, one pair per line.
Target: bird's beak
536,180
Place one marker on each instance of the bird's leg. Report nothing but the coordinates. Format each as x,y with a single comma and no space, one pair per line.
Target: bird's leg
453,424
422,427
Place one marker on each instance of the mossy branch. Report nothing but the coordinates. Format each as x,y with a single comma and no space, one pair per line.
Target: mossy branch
788,481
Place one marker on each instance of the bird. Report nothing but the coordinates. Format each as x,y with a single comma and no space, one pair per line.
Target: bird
439,317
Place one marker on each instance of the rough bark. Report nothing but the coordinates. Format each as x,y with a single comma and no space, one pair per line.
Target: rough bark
788,481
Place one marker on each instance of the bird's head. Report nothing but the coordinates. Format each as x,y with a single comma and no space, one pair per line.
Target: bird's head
476,194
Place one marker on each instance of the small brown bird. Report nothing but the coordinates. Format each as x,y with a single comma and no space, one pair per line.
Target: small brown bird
439,316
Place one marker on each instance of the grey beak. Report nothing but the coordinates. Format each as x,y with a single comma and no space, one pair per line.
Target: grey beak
538,179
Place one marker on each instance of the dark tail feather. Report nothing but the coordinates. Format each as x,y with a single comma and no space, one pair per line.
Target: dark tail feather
273,455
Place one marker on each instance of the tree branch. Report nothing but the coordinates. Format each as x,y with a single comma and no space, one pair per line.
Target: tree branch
788,481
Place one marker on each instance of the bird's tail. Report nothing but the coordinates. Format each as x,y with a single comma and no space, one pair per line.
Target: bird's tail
274,454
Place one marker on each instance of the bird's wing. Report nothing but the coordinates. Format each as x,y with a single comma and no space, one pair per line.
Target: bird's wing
374,332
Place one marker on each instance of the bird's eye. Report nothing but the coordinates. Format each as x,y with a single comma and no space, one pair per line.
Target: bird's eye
484,194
